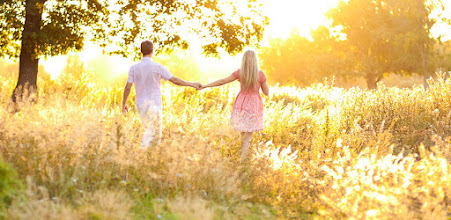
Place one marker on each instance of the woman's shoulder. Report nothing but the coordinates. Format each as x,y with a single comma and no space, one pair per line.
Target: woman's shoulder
236,73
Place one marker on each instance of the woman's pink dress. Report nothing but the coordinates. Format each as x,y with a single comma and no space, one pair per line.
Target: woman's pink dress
247,111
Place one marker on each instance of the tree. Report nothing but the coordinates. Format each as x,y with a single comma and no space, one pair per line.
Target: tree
445,62
31,29
302,61
442,60
420,40
386,36
287,61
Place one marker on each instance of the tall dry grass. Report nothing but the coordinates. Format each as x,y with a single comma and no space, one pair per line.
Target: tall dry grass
326,152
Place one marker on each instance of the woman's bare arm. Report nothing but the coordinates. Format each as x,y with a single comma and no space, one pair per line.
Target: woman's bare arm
220,82
265,88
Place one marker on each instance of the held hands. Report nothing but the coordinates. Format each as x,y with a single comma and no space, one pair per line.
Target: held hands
198,86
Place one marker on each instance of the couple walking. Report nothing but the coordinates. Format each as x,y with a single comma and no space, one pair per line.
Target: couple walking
247,111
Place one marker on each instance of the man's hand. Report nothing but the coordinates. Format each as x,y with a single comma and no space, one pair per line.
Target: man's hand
124,109
124,100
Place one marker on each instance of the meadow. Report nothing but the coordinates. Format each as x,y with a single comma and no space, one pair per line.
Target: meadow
326,152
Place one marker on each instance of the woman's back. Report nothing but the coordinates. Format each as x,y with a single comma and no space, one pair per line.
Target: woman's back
256,87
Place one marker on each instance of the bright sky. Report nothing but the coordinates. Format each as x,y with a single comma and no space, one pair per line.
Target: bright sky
285,17
303,15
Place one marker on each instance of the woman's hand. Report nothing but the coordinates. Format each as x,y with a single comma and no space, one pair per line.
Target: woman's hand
196,85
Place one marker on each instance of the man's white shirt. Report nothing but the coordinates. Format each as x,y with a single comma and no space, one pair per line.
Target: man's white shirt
146,75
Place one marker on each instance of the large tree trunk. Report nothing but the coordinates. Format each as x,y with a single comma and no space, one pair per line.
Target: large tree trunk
28,64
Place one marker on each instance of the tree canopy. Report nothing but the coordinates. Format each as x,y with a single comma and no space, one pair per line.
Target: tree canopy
30,29
116,25
368,39
387,36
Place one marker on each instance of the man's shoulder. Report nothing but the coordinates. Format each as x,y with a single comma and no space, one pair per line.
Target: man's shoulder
151,66
157,64
148,62
135,65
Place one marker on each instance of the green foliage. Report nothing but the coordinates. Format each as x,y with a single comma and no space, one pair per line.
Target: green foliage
367,39
386,36
51,27
63,28
66,25
10,186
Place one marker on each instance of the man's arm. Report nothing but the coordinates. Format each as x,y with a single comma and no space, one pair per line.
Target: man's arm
181,82
127,89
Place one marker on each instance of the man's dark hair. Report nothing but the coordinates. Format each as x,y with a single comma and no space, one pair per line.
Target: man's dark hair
146,47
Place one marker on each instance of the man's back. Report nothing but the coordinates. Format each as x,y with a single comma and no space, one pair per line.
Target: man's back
146,75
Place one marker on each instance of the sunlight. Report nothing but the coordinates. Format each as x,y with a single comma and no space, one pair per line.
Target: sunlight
104,66
285,17
348,170
441,28
54,65
302,16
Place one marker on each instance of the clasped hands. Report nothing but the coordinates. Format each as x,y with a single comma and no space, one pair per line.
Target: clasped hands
198,86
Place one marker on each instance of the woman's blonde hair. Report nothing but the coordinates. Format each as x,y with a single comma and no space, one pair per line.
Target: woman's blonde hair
249,71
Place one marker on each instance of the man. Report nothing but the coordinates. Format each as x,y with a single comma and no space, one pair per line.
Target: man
146,76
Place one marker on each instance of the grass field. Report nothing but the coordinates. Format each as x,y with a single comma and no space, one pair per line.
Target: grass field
325,153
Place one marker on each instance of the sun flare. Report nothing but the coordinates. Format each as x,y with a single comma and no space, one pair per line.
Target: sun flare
295,15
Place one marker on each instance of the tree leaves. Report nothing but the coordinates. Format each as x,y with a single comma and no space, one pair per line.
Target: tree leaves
11,23
387,36
118,25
